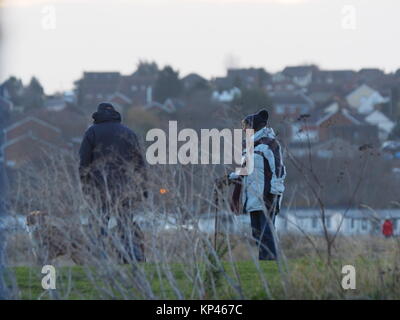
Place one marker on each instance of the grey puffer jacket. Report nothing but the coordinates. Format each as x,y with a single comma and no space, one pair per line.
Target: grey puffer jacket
268,174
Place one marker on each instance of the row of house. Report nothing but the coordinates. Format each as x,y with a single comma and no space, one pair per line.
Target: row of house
331,112
309,221
296,91
27,137
125,91
344,222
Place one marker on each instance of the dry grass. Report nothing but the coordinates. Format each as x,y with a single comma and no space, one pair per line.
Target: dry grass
184,263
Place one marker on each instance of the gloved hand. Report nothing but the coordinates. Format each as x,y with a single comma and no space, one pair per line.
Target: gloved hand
233,176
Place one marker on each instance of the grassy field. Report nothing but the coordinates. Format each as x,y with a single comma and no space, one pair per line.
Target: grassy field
182,272
75,283
303,280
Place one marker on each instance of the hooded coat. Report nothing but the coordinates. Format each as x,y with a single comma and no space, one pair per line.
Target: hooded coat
268,174
107,153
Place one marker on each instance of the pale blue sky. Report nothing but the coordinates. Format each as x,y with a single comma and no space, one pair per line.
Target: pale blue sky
193,35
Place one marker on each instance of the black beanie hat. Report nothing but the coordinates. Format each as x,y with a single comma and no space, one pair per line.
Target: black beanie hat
105,106
258,120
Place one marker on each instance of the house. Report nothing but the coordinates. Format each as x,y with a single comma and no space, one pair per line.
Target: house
125,91
96,87
321,94
370,74
309,221
335,127
226,95
28,140
282,86
222,83
300,75
71,122
382,122
343,78
138,88
55,103
169,106
120,101
193,80
42,132
345,222
338,120
363,99
290,105
247,78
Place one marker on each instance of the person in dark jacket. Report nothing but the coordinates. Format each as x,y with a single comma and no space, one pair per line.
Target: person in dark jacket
112,168
263,188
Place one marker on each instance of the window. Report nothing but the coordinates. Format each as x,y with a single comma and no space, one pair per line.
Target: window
364,224
304,109
279,109
328,222
314,223
11,163
352,223
326,154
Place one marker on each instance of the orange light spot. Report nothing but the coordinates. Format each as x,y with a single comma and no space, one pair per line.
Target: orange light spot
163,191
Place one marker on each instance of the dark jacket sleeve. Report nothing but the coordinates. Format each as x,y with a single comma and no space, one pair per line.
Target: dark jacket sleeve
86,152
138,158
138,162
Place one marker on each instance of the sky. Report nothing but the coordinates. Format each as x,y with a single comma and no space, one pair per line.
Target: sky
58,40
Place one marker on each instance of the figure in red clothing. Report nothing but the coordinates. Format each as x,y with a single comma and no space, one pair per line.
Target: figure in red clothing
387,228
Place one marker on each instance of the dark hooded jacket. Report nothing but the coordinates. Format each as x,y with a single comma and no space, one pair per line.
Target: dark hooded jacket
109,151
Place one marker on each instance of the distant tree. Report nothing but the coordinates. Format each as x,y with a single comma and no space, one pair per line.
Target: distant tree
263,77
168,84
145,68
142,120
202,85
15,89
251,100
33,97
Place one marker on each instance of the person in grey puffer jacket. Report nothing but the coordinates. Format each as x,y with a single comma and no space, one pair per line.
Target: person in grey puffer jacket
263,188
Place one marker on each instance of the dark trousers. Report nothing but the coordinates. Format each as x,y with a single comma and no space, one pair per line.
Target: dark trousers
262,229
127,232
